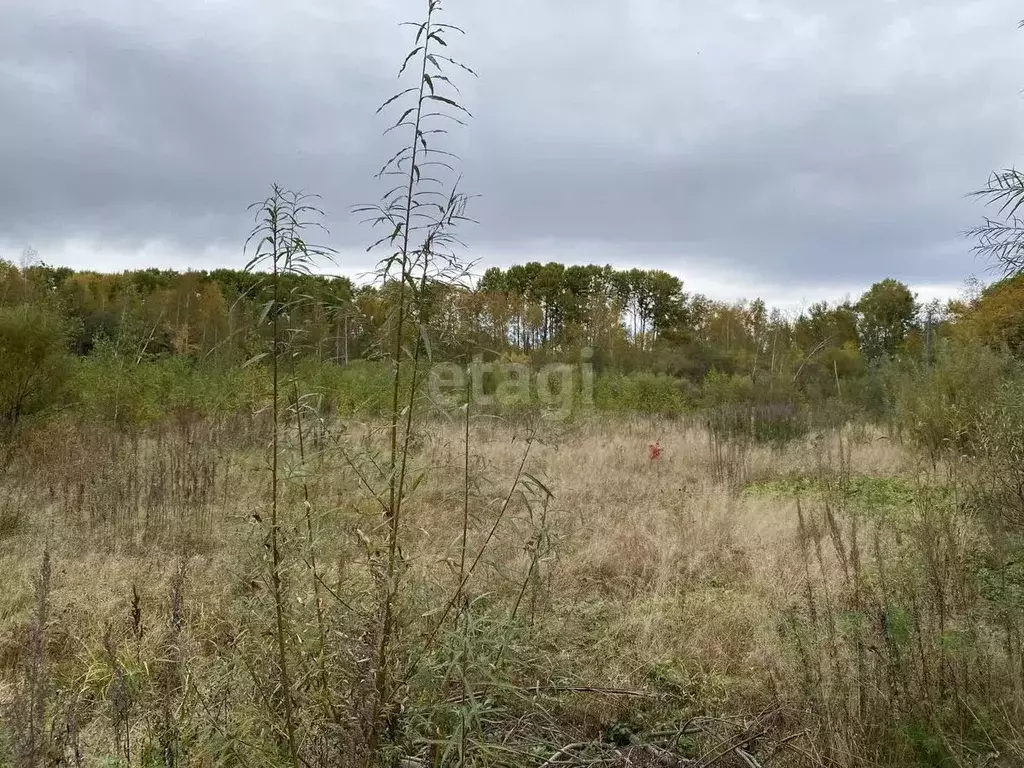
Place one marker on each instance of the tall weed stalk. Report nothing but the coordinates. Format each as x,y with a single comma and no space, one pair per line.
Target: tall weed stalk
280,246
419,214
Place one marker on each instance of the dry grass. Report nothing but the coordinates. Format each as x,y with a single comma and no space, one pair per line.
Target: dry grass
634,575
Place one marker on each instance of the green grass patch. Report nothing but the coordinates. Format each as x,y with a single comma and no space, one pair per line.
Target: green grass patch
868,493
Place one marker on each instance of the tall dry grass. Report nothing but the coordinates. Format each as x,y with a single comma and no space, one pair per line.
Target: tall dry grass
615,594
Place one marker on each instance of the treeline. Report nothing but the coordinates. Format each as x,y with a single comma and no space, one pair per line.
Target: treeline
195,313
627,321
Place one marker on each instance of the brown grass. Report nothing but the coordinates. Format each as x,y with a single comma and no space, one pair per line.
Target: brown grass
650,577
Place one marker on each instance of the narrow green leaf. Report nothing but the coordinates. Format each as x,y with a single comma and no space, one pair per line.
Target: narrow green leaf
449,102
409,58
393,99
405,114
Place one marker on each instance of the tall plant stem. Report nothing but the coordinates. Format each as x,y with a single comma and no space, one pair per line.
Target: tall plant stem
465,494
275,544
395,481
311,548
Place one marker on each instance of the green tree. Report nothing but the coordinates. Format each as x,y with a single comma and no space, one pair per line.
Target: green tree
887,312
34,364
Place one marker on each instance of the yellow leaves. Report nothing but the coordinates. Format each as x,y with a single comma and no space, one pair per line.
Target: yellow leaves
998,317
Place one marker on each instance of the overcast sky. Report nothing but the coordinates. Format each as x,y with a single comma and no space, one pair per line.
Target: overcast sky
792,149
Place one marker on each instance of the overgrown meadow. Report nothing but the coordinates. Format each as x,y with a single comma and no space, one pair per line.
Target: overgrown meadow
543,516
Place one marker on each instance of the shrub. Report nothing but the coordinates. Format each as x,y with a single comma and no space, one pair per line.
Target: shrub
643,393
120,389
34,364
941,407
358,388
997,455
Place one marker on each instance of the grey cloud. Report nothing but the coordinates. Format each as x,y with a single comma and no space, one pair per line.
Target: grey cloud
814,198
129,139
777,140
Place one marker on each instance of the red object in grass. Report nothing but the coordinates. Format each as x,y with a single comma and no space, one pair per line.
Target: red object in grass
654,450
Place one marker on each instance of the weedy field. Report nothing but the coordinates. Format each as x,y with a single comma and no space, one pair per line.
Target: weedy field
229,538
559,598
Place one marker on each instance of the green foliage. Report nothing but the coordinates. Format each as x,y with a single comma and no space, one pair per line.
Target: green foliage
115,389
644,393
1000,579
887,314
880,646
737,408
722,389
941,407
888,495
1001,240
632,323
996,318
928,745
34,363
997,454
360,389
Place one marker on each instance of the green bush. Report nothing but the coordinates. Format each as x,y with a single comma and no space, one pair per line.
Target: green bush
34,364
118,388
997,455
968,409
941,408
644,393
361,387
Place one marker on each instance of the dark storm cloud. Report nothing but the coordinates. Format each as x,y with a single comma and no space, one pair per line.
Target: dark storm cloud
775,140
